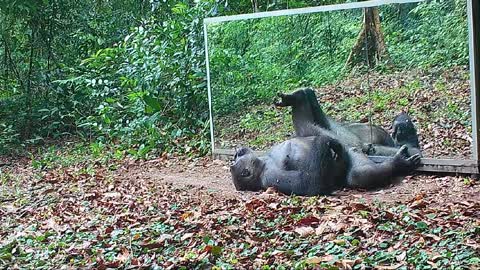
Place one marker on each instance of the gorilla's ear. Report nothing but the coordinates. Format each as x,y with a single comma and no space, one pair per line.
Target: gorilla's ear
336,149
258,165
242,151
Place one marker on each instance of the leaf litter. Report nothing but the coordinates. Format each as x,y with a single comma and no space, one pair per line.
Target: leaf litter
174,213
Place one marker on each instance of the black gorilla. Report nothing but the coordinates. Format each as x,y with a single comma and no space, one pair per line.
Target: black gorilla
404,133
372,139
319,160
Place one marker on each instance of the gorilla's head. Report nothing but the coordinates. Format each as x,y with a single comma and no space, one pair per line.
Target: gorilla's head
246,170
404,131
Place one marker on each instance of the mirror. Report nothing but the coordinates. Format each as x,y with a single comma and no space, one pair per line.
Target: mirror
409,57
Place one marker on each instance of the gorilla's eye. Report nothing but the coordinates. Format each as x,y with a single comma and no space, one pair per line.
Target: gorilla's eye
245,173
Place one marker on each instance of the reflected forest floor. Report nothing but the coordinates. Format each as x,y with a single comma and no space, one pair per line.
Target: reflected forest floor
438,101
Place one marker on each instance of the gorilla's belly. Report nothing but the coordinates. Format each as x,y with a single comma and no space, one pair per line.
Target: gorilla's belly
292,154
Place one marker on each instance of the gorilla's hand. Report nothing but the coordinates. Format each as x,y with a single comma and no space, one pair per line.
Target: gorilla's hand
405,164
368,149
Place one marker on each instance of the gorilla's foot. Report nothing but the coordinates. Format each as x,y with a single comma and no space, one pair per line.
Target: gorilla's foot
285,100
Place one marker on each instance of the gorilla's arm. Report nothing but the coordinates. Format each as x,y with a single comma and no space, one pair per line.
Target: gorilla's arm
386,151
367,174
297,182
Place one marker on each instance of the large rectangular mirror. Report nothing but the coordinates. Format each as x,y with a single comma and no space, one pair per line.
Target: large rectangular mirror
365,64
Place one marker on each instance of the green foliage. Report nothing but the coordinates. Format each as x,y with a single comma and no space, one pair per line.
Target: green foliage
251,63
40,41
131,73
430,33
148,93
253,60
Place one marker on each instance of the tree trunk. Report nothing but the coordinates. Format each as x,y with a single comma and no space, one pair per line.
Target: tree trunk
5,63
370,46
254,5
28,91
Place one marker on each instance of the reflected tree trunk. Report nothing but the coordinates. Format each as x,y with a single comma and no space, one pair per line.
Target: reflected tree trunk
371,37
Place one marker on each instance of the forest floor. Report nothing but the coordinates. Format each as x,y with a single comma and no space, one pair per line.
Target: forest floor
176,212
437,99
65,209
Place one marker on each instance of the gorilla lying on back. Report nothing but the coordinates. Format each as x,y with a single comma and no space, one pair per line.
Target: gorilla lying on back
372,139
316,162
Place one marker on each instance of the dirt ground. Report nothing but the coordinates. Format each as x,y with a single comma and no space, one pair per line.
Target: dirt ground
214,176
188,200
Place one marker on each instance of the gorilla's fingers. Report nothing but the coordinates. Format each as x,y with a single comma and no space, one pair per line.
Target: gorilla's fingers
403,151
415,159
368,149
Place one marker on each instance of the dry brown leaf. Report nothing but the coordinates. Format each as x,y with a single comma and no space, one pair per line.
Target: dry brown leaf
401,257
318,260
304,231
388,267
114,195
186,236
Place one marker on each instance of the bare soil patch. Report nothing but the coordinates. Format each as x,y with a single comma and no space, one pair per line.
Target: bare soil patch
214,176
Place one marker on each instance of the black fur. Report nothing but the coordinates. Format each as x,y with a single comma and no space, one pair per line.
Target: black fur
318,161
404,133
372,139
371,133
305,107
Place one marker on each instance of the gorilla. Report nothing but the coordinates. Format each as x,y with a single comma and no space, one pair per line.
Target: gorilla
404,133
372,139
323,157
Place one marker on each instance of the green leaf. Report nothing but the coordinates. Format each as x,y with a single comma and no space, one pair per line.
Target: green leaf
421,225
216,250
153,103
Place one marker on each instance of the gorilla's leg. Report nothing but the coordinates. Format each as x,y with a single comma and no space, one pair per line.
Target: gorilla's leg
305,108
364,173
371,133
306,112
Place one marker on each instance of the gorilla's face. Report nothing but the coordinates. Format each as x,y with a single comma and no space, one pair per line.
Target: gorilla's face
246,170
403,128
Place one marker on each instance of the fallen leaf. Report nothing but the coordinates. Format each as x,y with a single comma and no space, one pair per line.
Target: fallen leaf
318,260
305,231
388,267
186,236
115,195
306,221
